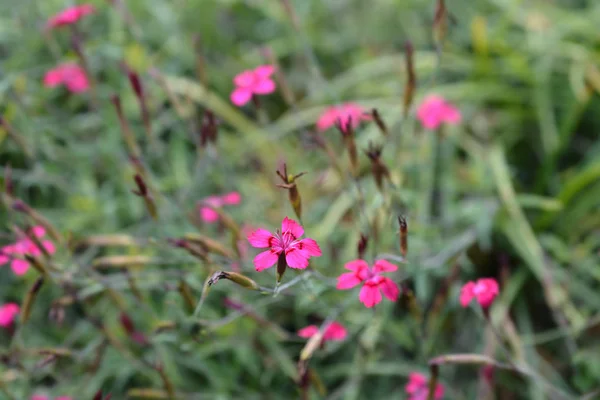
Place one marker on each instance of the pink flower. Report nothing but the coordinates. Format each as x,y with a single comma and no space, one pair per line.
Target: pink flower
435,110
334,332
484,290
252,82
8,312
374,282
70,15
285,243
342,113
207,205
15,252
71,75
417,388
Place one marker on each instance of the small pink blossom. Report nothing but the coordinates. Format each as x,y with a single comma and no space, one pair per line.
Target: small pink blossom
285,243
484,290
208,204
343,113
71,75
435,110
252,82
417,388
8,312
70,15
16,251
374,282
334,332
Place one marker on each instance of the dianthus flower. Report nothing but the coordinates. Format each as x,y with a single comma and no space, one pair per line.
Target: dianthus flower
373,282
334,332
70,15
25,246
252,82
8,312
71,75
348,113
417,388
484,290
207,205
435,110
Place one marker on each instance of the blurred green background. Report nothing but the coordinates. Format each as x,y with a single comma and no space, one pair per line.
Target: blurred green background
519,182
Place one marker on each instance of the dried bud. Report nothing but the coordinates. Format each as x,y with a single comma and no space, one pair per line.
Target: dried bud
57,314
281,267
440,24
30,298
129,327
379,121
208,129
347,131
403,236
289,182
411,78
362,245
128,135
143,192
8,183
378,168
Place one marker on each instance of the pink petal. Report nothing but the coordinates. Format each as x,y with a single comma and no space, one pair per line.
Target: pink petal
356,265
232,198
241,96
486,290
244,79
384,266
261,238
308,331
327,119
77,83
265,86
208,215
38,231
292,227
265,260
49,246
310,247
19,266
7,313
296,258
335,331
466,294
451,115
348,281
415,383
390,289
370,295
264,71
53,78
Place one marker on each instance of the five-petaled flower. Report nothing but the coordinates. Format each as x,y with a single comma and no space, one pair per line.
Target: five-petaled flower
285,244
70,15
208,204
484,290
25,246
373,282
252,82
334,332
8,312
343,114
70,74
417,388
435,110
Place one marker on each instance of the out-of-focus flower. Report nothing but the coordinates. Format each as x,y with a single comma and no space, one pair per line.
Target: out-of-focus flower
484,290
285,243
373,282
39,397
252,82
71,75
435,110
417,388
207,205
348,113
8,312
14,252
70,15
334,332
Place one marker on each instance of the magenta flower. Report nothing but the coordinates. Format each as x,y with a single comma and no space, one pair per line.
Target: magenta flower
373,282
70,15
15,252
208,204
252,82
8,312
71,75
417,388
435,110
334,332
343,113
484,290
286,244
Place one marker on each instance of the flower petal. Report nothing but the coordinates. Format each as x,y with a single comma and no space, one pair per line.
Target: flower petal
244,79
261,238
370,295
265,260
296,258
335,331
308,331
38,231
327,118
231,198
49,247
309,246
390,289
19,266
208,215
264,71
265,86
356,265
347,281
384,266
291,226
466,294
241,96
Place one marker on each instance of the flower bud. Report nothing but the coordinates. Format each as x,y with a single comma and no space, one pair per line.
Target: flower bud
289,182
